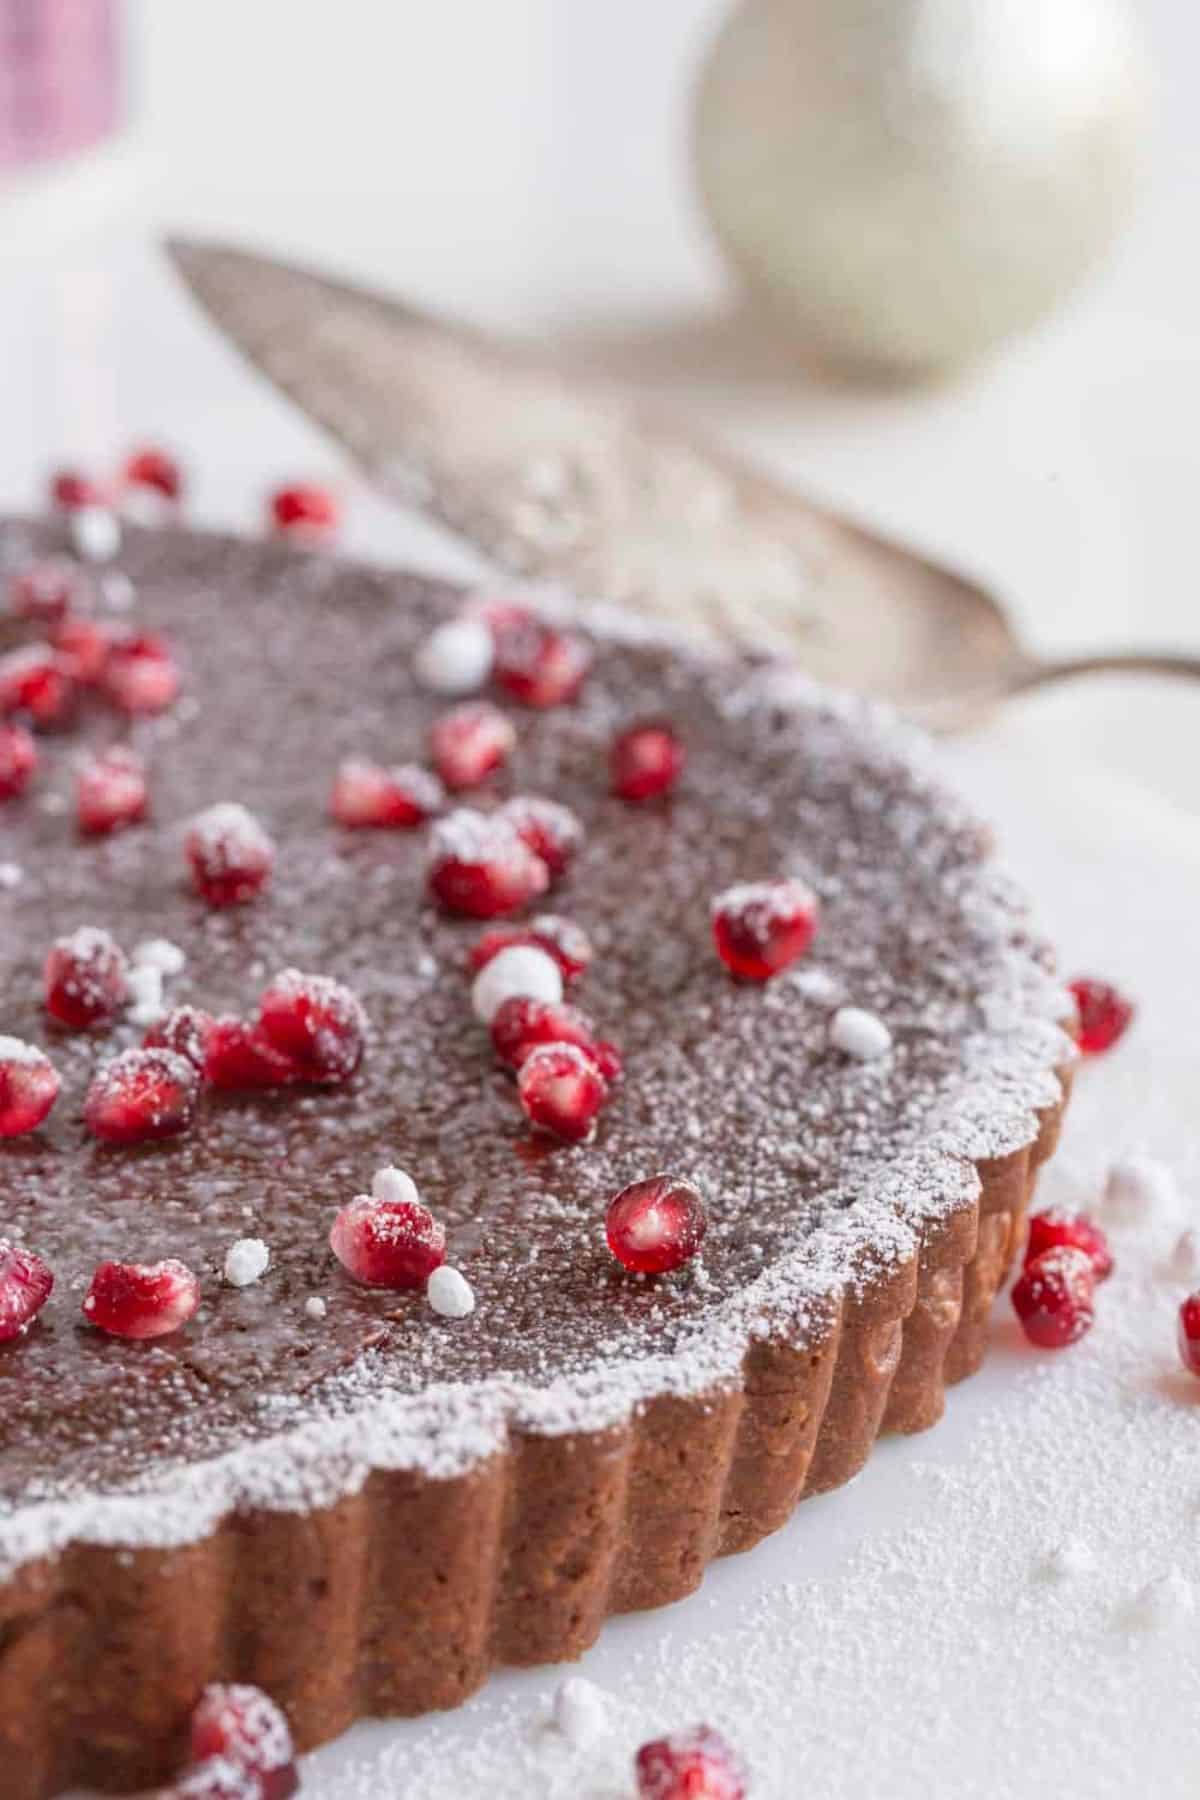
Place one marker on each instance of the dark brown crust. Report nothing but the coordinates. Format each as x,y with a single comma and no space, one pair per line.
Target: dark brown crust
402,1597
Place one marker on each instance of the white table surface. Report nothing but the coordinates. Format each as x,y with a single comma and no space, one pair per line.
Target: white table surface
521,165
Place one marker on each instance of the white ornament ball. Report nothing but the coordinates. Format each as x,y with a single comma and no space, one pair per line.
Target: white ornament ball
905,185
522,971
456,658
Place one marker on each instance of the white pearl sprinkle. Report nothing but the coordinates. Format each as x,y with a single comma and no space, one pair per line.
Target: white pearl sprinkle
11,875
581,1711
394,1186
160,954
315,1307
1139,1189
246,1261
456,658
450,1293
95,533
145,985
859,1034
520,971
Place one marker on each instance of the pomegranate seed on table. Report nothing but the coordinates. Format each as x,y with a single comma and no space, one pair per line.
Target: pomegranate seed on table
186,1030
230,854
35,681
155,470
523,1023
86,979
645,761
82,646
141,1300
561,1090
536,663
655,1225
1056,1226
1104,1014
479,866
388,1243
551,830
141,1096
44,592
29,1087
110,792
244,1726
365,795
140,675
25,1285
18,760
241,1057
1189,1333
470,742
1053,1297
316,1022
690,1765
71,489
560,938
305,510
761,927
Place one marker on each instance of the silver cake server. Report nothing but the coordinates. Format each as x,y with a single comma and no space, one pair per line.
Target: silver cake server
560,479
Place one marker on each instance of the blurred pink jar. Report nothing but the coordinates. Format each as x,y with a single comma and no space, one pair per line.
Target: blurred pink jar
60,88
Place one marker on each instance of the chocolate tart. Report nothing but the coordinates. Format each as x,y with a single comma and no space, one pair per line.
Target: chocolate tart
365,1512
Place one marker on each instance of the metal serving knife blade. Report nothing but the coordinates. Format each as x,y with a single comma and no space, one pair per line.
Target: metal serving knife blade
558,478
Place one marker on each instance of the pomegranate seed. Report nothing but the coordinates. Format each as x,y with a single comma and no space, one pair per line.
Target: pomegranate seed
523,1023
110,792
655,1225
365,795
70,490
305,510
1189,1332
562,1090
140,674
230,854
141,1300
244,1726
29,1087
18,760
469,742
239,1056
25,1284
82,647
156,470
479,866
34,681
761,927
140,1096
645,761
552,831
315,1022
1104,1014
1053,1297
185,1030
560,938
86,979
1055,1227
690,1765
45,592
536,663
388,1243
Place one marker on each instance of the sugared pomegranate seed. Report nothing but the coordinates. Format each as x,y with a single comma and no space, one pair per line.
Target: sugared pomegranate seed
1055,1227
245,1727
29,1087
316,1022
71,489
1053,1297
140,675
690,1765
469,742
561,1090
238,1056
551,830
761,927
305,511
36,682
43,593
156,470
560,938
645,761
479,866
522,1023
186,1030
537,663
25,1284
230,854
655,1225
1104,1014
388,1243
216,1779
110,792
141,1095
18,760
82,646
1189,1333
141,1300
86,979
366,795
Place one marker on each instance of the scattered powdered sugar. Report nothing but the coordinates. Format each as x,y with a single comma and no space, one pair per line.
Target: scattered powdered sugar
859,1034
246,1262
450,1294
16,1050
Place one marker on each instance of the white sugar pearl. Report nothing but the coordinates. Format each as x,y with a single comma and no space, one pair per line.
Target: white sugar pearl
315,1307
145,985
161,954
456,658
95,533
450,1293
581,1711
246,1261
395,1186
1138,1190
522,971
859,1034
